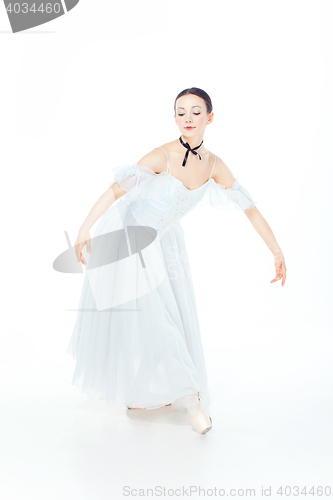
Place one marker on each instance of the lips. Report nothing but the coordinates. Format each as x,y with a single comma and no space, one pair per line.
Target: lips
189,128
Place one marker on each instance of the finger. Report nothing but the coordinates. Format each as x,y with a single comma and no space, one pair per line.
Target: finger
78,250
283,280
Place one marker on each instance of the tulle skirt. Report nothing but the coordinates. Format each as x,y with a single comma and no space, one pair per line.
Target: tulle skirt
137,339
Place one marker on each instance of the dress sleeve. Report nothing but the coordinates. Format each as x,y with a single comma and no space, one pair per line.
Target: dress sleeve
131,177
126,176
229,199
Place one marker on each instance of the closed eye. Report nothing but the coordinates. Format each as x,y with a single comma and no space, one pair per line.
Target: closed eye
184,113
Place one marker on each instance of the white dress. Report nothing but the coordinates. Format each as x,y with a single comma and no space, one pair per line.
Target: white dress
136,339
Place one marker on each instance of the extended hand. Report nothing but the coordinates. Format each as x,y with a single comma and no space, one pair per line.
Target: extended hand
280,268
82,239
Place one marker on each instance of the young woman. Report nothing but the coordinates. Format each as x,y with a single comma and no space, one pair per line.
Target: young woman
137,338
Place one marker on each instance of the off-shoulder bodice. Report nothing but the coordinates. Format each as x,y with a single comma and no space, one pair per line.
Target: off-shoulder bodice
159,199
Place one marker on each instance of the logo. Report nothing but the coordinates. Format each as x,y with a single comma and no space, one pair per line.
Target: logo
123,265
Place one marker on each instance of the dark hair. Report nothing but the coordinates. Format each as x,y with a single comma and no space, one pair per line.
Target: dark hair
200,93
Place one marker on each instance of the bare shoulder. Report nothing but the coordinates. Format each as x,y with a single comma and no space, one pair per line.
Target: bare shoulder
222,174
155,160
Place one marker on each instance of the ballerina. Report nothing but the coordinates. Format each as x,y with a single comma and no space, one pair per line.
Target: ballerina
137,338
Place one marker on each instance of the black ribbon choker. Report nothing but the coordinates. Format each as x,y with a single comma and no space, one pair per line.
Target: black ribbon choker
187,146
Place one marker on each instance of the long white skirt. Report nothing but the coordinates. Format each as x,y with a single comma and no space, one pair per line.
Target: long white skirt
145,352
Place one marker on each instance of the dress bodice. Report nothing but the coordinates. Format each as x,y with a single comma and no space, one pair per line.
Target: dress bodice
159,200
170,202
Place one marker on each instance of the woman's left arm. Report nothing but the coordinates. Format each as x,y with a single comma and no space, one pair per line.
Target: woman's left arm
224,176
263,229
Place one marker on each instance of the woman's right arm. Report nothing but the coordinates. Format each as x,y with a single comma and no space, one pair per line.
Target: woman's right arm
112,194
153,160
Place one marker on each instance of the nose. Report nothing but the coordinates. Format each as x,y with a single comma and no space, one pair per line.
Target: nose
188,120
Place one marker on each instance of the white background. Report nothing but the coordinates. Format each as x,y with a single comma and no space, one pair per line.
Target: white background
94,89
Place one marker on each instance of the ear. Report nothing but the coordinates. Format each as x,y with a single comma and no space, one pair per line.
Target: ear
211,117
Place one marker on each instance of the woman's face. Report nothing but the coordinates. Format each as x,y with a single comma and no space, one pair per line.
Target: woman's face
191,115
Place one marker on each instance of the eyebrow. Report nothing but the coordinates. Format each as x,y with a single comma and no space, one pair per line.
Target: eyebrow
179,107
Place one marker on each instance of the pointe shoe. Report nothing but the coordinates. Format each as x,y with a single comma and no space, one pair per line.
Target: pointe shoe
202,422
